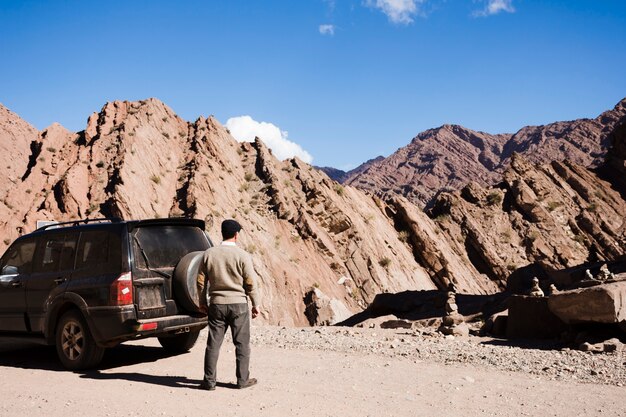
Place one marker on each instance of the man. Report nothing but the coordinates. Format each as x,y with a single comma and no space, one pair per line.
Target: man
231,280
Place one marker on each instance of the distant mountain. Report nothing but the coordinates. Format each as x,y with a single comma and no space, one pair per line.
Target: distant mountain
448,157
341,176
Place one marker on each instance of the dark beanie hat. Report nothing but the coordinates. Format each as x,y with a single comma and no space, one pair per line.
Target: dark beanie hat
230,228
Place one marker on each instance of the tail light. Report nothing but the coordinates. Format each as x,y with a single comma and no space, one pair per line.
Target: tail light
122,290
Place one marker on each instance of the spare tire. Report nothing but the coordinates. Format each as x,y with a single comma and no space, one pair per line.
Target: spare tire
185,282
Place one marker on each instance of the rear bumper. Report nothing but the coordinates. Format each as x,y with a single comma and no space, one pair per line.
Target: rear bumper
113,325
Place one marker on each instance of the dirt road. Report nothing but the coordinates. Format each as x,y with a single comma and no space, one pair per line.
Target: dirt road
139,379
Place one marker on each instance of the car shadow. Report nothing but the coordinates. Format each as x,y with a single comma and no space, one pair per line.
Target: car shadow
28,355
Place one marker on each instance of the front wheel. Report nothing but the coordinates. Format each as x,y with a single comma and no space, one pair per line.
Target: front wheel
179,343
75,345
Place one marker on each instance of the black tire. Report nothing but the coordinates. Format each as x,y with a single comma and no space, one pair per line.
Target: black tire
179,343
185,286
75,345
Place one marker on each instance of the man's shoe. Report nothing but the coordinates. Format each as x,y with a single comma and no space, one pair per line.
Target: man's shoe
206,386
250,382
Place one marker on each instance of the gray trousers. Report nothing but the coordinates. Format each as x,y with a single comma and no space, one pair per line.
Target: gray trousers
222,316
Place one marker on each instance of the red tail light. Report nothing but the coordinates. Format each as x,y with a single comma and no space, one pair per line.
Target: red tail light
122,290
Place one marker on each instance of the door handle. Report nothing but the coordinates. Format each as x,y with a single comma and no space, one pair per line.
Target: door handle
60,281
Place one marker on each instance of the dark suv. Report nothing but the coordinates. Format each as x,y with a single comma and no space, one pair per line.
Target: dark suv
91,284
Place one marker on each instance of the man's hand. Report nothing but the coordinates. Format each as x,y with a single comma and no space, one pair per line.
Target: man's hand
204,309
255,312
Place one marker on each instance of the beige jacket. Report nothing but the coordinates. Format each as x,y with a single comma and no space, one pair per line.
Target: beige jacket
230,274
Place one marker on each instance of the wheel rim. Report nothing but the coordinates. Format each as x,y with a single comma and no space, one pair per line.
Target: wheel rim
72,340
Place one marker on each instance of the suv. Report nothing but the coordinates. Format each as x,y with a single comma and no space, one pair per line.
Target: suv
91,284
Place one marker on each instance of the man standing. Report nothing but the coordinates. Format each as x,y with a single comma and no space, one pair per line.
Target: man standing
231,279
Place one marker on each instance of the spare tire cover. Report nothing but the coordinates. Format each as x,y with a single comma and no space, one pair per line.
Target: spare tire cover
185,281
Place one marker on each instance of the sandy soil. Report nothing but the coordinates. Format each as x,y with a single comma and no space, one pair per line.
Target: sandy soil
139,379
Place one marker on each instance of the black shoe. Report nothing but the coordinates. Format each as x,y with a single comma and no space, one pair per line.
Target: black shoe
250,382
206,386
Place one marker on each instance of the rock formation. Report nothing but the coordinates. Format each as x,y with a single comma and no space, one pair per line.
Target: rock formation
140,160
603,303
448,157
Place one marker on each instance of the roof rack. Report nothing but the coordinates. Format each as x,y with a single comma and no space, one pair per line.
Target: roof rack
82,221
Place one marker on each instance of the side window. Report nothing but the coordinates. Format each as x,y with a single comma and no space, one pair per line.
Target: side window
19,258
100,251
57,253
68,252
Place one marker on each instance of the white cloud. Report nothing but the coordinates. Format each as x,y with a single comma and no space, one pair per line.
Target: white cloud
245,129
327,29
496,6
398,11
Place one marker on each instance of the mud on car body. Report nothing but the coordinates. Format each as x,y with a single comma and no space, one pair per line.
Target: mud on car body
87,285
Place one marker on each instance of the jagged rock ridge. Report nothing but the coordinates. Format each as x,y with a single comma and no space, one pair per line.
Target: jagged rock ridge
448,157
140,160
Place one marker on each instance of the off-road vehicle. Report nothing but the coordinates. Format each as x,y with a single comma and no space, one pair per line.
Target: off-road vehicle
88,285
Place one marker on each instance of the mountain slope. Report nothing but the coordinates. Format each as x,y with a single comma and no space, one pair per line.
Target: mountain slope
450,156
304,230
140,160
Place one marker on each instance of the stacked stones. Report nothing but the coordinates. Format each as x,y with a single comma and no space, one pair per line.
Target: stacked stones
453,322
605,274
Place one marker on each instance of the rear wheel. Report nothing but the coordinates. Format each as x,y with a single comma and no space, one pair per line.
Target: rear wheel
179,343
75,345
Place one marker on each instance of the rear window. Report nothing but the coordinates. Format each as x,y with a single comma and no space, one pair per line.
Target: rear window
163,246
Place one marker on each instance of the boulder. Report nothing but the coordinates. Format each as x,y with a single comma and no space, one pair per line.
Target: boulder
530,318
604,303
321,310
496,324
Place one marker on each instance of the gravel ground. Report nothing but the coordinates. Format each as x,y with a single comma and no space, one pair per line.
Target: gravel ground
546,360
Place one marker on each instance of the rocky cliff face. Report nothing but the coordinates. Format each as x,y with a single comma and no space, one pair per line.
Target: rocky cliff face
449,157
543,218
15,148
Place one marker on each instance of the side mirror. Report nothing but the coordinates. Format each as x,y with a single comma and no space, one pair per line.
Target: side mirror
9,270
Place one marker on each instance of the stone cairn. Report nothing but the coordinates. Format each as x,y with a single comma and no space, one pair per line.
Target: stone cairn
453,323
536,290
603,275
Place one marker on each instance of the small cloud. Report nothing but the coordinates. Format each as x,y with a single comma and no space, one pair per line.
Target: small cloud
327,30
397,11
494,7
245,129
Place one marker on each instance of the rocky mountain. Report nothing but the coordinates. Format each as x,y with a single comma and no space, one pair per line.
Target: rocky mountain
448,157
341,176
140,160
305,231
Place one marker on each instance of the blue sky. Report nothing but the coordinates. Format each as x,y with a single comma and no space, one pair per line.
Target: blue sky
347,79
